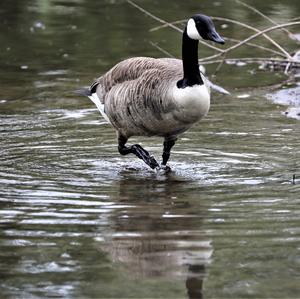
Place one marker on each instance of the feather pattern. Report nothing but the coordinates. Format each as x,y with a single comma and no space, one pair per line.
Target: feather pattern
139,96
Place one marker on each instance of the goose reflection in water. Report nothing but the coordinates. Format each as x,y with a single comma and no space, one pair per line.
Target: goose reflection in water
161,236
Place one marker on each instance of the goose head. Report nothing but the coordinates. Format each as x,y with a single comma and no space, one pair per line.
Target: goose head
202,27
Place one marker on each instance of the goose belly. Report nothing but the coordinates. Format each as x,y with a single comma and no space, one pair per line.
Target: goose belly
148,123
190,105
177,112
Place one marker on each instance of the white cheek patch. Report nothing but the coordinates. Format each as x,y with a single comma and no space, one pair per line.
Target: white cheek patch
192,31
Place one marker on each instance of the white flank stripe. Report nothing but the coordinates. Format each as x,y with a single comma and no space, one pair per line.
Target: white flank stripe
94,98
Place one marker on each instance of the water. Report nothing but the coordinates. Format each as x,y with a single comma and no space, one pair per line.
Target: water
79,220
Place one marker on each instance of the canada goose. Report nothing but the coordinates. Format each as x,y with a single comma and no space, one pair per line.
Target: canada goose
164,97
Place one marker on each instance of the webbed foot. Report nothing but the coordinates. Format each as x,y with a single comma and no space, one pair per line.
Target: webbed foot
144,155
163,169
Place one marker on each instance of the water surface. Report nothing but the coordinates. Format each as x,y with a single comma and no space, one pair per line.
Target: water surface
79,220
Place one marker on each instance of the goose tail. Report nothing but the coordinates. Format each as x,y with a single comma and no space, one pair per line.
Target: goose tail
86,92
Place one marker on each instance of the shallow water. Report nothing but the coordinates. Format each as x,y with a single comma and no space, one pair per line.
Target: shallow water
79,220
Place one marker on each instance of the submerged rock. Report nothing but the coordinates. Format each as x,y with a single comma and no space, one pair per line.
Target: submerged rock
293,112
288,96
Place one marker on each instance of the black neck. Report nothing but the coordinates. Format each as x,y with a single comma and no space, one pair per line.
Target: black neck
191,73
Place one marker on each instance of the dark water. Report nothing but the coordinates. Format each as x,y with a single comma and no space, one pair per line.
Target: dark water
78,220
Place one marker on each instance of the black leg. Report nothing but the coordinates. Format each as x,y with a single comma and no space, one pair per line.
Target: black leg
137,150
168,144
123,149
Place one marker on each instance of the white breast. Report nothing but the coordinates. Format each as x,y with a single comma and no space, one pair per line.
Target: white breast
193,102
